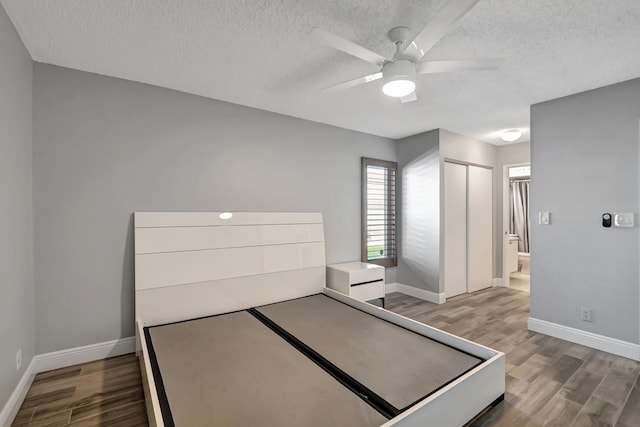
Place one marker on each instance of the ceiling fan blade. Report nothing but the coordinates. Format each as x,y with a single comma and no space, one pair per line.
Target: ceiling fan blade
446,66
347,46
409,98
353,83
448,15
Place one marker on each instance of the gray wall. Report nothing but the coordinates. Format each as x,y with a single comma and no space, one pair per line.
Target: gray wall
17,312
514,153
419,211
104,148
584,159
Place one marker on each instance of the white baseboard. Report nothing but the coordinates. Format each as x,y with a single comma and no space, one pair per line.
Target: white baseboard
589,339
61,359
497,281
416,292
87,353
12,406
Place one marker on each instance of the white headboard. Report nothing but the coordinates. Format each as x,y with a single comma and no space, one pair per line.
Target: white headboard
194,264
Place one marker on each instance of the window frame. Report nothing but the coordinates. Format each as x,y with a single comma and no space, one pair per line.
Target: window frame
388,261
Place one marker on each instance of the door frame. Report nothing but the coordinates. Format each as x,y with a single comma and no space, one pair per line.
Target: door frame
447,242
505,219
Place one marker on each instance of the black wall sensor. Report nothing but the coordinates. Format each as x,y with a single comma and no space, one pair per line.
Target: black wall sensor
606,220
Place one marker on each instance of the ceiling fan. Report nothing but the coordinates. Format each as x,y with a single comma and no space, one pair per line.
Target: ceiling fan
399,73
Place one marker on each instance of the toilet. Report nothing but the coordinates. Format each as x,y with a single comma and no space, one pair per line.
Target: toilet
512,260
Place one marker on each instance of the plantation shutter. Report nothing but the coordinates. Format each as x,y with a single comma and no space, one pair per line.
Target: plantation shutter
379,212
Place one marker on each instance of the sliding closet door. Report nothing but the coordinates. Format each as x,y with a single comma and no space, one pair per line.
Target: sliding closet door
455,229
480,228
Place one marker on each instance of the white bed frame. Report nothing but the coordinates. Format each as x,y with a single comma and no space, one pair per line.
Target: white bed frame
194,264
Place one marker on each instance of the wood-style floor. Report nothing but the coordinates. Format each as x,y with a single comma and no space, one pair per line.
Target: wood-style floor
521,278
102,393
550,382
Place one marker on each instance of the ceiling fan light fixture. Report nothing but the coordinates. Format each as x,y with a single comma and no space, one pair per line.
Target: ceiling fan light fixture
399,78
398,88
511,135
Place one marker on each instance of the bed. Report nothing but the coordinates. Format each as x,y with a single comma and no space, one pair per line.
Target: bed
236,327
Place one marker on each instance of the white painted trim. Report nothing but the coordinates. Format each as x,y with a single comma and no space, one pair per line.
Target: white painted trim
497,281
11,408
417,293
390,287
88,353
61,359
589,339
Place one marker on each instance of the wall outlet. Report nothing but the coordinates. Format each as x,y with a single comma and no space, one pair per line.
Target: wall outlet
18,359
585,314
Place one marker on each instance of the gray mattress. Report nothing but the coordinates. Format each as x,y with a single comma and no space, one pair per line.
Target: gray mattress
398,365
231,370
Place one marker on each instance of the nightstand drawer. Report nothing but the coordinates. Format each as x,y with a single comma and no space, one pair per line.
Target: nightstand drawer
365,275
367,291
359,280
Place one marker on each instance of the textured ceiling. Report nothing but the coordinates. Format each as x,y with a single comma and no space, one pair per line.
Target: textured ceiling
258,53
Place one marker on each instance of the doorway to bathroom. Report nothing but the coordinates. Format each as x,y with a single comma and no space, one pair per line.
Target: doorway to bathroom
516,227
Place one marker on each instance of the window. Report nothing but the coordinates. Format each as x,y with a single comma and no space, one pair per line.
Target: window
379,212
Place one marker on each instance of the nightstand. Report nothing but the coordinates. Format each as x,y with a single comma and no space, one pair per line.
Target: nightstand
359,280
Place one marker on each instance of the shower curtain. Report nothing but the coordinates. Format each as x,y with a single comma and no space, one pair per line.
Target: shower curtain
519,223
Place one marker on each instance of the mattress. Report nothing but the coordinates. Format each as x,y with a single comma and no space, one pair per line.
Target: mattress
312,361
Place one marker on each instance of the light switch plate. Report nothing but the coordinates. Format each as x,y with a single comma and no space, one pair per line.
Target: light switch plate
623,219
544,218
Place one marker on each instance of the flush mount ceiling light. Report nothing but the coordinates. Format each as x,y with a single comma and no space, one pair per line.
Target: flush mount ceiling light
225,215
511,135
399,78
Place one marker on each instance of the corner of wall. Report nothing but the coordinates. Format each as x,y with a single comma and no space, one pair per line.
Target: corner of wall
17,312
419,211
